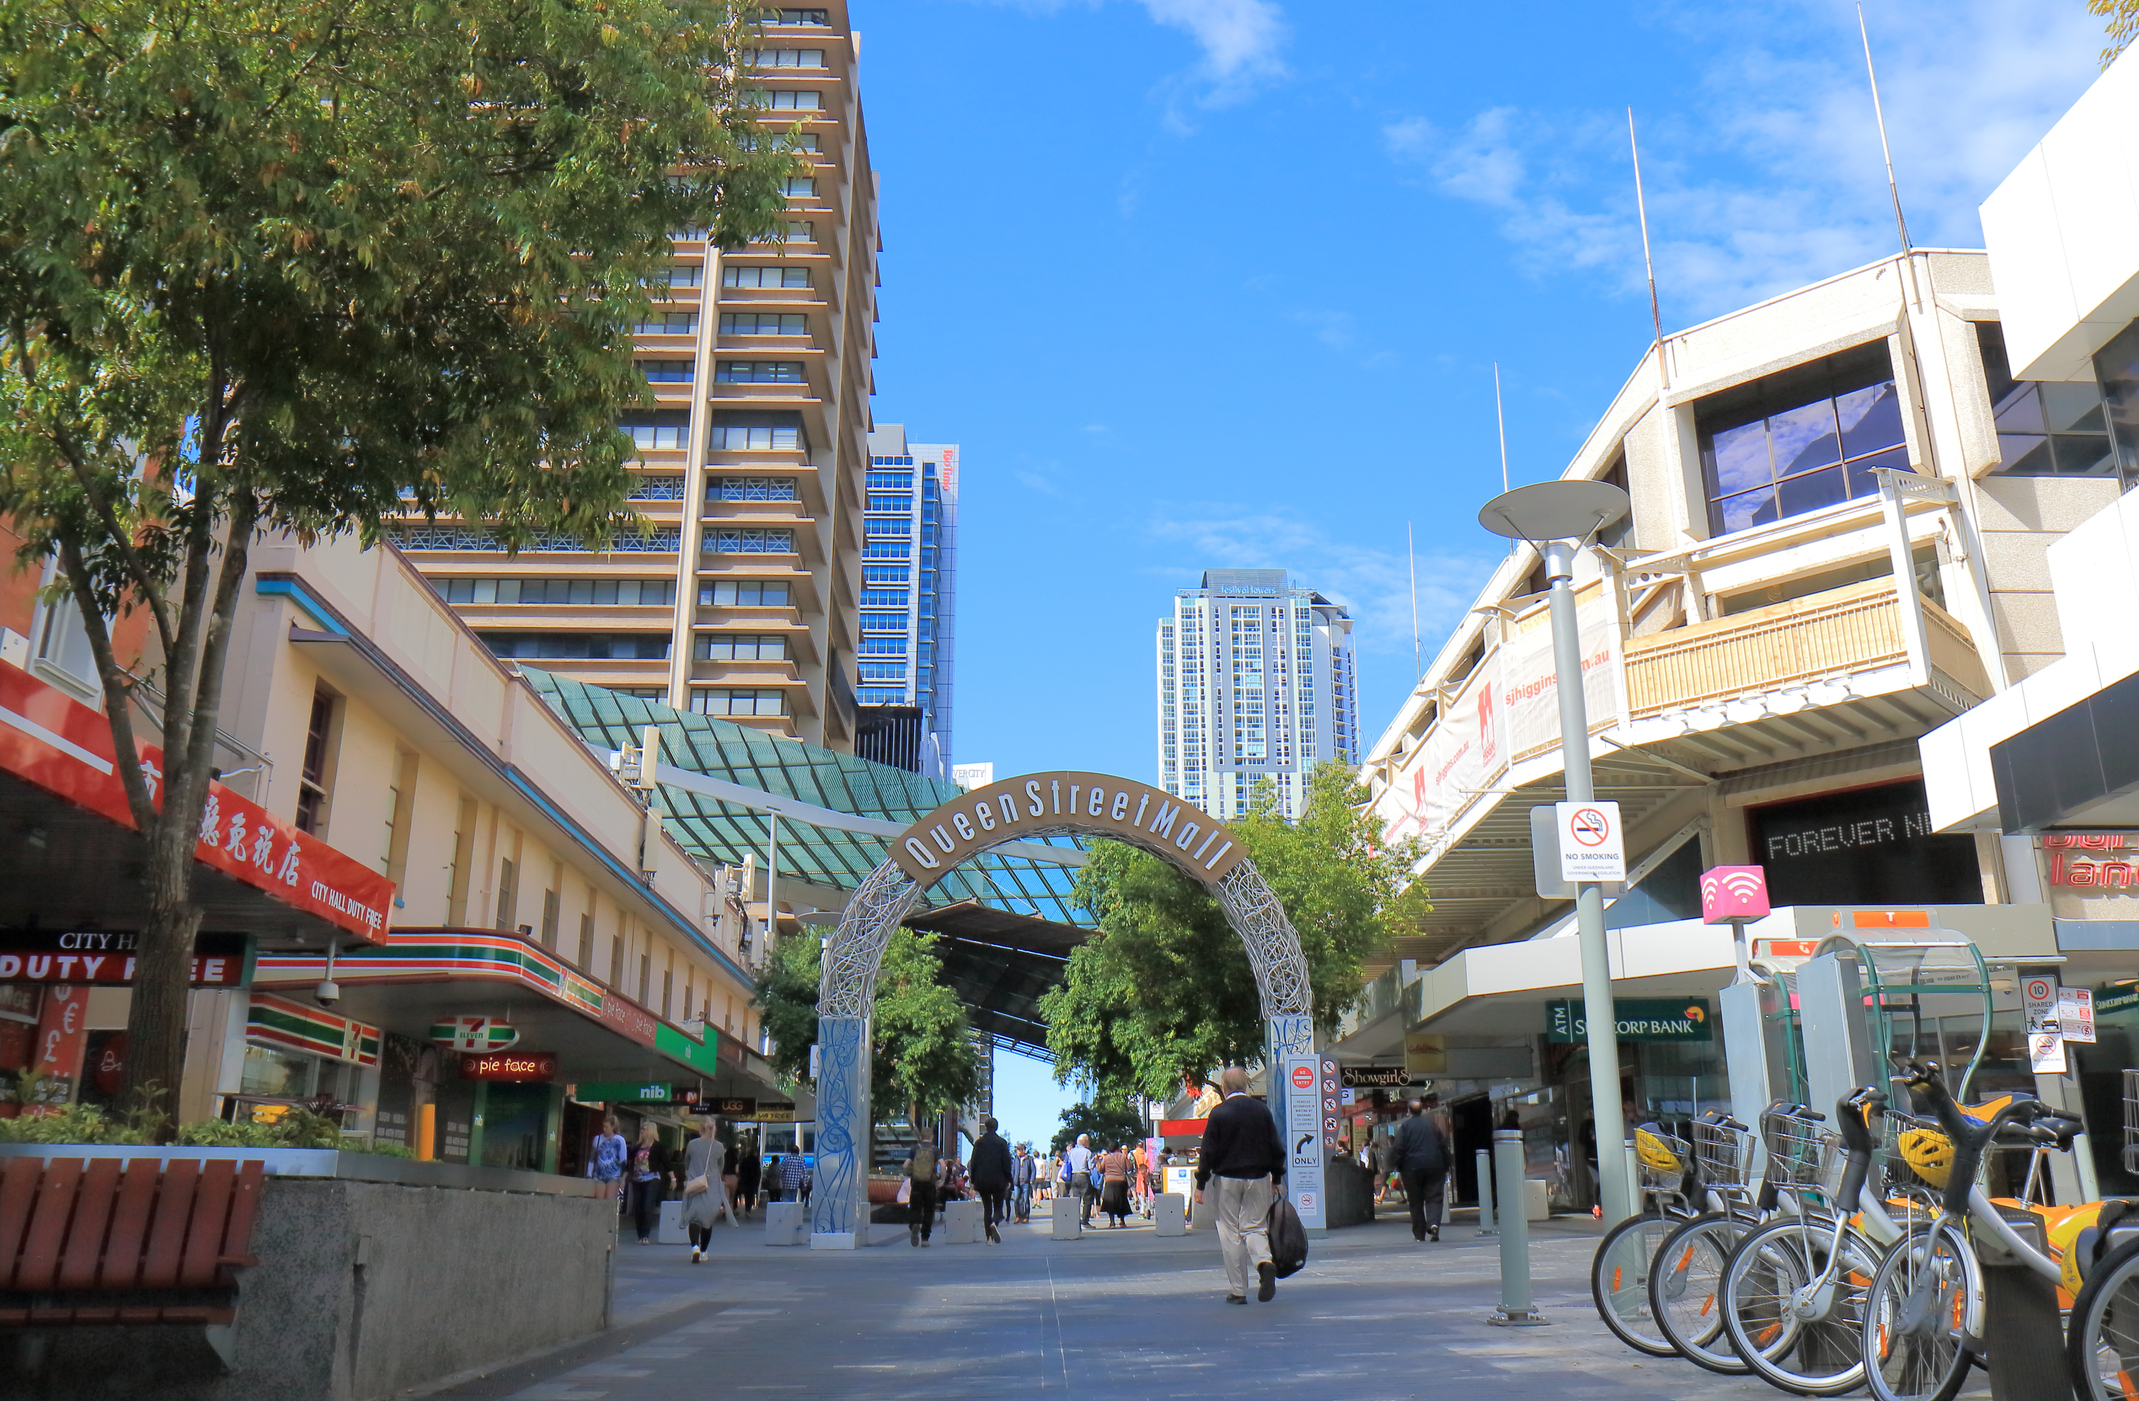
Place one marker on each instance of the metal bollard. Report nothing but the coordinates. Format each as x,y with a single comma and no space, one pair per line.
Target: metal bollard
1485,1194
1633,1181
1516,1307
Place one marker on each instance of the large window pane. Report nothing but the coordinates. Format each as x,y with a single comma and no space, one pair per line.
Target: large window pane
1871,419
1748,509
1811,491
1741,458
1803,438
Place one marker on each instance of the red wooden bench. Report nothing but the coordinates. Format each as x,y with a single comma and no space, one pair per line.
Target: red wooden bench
106,1241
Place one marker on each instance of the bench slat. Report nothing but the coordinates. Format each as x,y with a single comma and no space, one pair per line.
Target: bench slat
48,1224
167,1233
130,1225
92,1212
211,1212
244,1208
18,1192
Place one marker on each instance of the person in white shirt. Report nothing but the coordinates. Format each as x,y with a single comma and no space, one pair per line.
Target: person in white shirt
1077,1173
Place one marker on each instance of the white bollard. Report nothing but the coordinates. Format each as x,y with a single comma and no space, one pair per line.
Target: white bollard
1518,1307
1169,1212
787,1223
963,1222
670,1230
1486,1225
1064,1217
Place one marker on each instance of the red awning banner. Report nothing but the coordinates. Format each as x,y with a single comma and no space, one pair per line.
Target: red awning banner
65,748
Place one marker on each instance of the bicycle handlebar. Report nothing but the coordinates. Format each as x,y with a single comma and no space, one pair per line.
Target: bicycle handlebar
1969,1135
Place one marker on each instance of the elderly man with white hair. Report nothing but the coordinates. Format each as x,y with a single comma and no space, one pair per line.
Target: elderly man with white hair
1077,1176
1242,1149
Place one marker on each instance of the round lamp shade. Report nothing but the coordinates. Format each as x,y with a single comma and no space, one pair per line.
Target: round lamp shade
1565,510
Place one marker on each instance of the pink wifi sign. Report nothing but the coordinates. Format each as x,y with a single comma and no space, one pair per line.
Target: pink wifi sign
1732,893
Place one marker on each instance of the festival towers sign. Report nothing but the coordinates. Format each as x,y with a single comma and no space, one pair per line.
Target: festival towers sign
1035,805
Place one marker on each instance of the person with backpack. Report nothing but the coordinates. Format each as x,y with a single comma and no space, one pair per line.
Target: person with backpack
1422,1158
1242,1151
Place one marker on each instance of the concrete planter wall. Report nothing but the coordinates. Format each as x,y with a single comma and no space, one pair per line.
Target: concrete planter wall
364,1288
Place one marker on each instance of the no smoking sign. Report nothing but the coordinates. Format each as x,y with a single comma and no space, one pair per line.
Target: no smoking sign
1592,846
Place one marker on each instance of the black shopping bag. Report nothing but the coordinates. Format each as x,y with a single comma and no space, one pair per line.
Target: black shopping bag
1288,1238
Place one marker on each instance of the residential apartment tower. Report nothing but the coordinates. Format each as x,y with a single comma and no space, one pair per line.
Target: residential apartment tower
907,620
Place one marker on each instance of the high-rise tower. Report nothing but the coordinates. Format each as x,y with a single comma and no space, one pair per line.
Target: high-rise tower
742,600
1256,681
909,602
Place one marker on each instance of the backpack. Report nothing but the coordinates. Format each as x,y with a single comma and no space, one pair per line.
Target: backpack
1288,1238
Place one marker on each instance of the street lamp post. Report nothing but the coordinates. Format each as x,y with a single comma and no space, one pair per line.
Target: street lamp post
1559,518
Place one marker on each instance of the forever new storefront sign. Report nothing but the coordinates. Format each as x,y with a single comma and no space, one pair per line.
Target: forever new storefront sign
1639,1018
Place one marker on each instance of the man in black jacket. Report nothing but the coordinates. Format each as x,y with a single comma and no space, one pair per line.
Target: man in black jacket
990,1174
1242,1149
1422,1157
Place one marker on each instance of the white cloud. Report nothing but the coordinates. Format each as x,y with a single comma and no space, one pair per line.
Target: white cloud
1373,583
1771,176
1242,42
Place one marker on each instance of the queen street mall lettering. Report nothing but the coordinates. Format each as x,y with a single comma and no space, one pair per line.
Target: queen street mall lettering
1863,846
1035,805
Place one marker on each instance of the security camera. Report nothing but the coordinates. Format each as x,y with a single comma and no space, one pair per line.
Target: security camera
327,993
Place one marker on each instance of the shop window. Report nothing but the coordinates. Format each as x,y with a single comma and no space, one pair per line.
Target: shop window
276,1074
1869,846
312,779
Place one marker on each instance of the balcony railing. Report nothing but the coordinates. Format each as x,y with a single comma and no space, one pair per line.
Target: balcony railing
1836,633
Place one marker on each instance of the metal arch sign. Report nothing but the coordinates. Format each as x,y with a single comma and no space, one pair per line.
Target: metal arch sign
1089,804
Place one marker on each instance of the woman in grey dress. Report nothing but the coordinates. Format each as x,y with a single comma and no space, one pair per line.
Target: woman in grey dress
702,1161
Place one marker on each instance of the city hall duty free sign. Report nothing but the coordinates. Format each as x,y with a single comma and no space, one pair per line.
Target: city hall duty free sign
1639,1018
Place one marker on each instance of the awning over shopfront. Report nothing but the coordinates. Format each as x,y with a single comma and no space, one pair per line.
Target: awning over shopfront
423,978
74,856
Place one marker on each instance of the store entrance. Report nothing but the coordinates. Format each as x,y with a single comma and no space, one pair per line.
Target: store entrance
1470,1123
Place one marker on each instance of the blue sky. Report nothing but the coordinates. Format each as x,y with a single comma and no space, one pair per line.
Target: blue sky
1210,283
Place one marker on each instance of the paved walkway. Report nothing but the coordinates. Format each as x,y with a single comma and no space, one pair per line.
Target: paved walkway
1116,1315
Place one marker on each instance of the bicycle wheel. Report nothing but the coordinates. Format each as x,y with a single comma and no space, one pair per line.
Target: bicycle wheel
1619,1282
2102,1345
1915,1318
1685,1291
1798,1325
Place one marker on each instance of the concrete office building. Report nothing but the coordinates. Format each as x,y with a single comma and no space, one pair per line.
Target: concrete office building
907,621
741,601
1255,680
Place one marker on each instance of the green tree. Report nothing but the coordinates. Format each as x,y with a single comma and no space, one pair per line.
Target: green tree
301,266
922,1056
1106,1123
1166,989
2123,25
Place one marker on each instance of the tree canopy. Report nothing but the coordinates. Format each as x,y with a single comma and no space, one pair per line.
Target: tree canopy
923,1058
2122,18
307,265
1106,1123
1165,988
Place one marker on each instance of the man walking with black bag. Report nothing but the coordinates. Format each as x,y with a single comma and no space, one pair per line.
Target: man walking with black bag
1241,1148
1422,1158
990,1173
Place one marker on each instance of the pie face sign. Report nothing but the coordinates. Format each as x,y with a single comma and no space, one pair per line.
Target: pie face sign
1095,804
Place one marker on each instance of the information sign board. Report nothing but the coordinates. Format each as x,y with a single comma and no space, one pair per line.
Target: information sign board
1592,846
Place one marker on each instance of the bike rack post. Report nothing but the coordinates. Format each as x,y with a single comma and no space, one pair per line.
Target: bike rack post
1517,1309
1486,1224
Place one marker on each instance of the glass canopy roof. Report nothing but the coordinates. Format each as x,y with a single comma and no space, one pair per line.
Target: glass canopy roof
726,832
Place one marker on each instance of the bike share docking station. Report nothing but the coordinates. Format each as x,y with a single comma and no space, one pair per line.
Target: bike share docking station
1813,1034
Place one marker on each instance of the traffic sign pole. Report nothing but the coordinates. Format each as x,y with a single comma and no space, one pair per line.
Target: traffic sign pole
1616,1188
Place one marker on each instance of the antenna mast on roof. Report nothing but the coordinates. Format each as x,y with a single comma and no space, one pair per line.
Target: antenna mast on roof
1648,263
1901,225
1500,416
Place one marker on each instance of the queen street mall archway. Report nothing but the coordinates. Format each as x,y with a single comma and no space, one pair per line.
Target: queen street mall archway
1017,809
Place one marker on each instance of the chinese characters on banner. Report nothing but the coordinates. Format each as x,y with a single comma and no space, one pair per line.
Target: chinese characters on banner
65,747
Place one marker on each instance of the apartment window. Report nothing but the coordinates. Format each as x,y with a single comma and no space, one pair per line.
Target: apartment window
883,671
2045,428
552,911
578,646
616,956
760,437
743,593
666,323
751,489
312,778
763,323
657,433
903,505
791,231
782,141
708,700
800,187
731,541
586,940
884,622
457,874
881,574
1797,441
793,100
63,639
655,486
733,276
885,598
652,693
883,646
666,371
628,593
682,275
892,481
898,526
888,549
668,989
646,977
758,372
785,16
787,58
508,894
741,647
400,815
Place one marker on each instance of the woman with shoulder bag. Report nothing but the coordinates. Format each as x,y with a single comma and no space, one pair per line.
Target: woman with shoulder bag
703,1201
